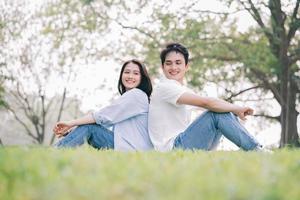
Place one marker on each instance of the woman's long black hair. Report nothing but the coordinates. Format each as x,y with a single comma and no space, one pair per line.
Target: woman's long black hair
145,84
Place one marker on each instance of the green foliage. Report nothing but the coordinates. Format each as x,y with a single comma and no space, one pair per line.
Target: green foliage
209,48
85,173
174,29
2,89
69,19
2,102
220,54
2,26
87,1
253,51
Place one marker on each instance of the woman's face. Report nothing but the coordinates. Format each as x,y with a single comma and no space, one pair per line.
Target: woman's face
131,76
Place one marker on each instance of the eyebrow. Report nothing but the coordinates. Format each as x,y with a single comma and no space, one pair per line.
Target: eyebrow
171,60
135,70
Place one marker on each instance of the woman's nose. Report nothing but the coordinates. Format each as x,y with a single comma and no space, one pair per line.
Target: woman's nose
130,75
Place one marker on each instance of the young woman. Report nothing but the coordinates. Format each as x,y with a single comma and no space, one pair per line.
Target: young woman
121,125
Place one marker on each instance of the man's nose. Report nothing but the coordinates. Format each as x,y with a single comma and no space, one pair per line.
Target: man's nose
172,65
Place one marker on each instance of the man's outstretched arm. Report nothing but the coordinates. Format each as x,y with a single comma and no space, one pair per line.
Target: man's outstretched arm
214,104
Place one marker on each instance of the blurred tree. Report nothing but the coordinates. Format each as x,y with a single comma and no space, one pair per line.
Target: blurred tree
2,63
273,58
12,131
265,58
43,44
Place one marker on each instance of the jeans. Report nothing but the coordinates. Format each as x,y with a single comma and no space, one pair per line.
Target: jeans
94,134
205,132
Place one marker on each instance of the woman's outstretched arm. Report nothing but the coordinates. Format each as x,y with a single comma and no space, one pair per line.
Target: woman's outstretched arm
63,127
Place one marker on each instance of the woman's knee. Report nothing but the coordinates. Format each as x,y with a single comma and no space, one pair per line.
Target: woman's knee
86,126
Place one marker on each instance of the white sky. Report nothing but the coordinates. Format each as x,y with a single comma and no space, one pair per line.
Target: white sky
92,101
267,136
90,78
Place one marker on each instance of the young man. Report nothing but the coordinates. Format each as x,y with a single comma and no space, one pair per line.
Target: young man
168,123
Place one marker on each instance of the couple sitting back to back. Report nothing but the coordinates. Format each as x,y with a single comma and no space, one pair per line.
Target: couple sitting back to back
130,123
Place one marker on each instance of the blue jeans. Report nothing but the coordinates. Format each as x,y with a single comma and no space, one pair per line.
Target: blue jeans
94,134
205,132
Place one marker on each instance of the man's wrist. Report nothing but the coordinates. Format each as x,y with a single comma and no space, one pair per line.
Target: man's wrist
236,109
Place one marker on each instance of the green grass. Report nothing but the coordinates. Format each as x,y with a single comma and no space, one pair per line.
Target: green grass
84,173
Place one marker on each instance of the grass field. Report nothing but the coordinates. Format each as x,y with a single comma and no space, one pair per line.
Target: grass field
84,173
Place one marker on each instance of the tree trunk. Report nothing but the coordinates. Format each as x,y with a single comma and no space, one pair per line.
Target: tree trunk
288,118
289,133
293,137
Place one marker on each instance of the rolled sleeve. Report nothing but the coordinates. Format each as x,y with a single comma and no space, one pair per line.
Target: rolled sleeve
130,104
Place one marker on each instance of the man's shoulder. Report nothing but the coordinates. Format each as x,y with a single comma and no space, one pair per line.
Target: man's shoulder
168,84
168,81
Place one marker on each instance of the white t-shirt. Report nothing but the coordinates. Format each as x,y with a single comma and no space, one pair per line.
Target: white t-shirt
167,119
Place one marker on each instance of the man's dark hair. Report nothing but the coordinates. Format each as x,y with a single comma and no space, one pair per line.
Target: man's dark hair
176,47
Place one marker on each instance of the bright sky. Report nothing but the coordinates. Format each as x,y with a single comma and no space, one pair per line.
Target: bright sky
93,100
103,71
88,82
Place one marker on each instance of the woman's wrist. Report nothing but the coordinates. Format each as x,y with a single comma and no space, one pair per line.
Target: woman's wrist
72,123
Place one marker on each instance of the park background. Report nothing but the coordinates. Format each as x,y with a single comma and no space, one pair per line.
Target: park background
60,59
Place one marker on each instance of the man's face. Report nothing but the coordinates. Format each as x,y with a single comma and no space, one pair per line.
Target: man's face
174,66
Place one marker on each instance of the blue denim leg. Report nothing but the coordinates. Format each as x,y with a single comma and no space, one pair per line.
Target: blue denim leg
205,132
94,134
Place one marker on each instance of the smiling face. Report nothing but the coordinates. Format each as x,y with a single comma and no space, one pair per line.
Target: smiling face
131,76
174,66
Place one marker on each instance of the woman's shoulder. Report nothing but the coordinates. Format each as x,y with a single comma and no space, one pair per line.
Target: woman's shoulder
136,93
137,98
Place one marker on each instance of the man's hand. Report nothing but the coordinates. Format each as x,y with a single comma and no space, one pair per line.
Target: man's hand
242,112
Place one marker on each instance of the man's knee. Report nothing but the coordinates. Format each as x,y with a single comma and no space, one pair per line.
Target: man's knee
221,114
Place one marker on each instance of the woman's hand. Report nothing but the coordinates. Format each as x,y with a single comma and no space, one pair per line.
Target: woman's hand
242,112
62,128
